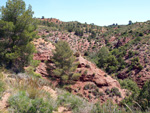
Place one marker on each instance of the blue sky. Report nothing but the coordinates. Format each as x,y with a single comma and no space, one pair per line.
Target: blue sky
99,12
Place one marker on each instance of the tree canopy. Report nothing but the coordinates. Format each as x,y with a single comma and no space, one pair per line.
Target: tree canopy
16,32
64,62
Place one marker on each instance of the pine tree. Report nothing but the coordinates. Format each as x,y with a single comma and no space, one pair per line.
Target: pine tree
64,61
103,54
16,32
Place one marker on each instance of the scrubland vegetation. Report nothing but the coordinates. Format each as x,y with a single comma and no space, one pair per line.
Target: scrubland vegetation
18,78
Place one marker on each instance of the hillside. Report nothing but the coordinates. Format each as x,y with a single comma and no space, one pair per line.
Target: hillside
91,76
124,42
51,66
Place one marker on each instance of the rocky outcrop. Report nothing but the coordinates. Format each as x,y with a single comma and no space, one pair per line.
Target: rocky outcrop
41,69
75,42
53,20
44,49
91,76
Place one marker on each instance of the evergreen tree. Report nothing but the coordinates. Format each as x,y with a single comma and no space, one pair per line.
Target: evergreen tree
103,54
107,60
16,32
64,61
87,29
130,22
93,35
79,32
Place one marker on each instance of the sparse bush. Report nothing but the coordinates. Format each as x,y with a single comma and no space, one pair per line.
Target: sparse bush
20,102
35,63
135,64
115,92
74,103
86,87
131,54
30,84
97,93
98,108
89,86
89,96
50,34
79,32
144,96
76,76
85,72
2,87
30,71
107,91
130,85
68,88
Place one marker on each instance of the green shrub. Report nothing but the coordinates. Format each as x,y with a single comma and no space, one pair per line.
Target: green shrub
135,64
35,63
89,86
107,107
107,91
97,93
85,72
68,88
115,92
144,96
76,76
21,103
30,71
37,75
1,76
70,101
131,54
32,85
2,87
86,87
74,103
50,34
130,85
79,32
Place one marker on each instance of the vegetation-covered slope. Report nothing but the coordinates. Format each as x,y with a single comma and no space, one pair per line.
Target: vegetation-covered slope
61,59
127,46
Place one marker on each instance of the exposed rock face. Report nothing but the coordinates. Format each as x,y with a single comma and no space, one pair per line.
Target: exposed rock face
95,74
101,81
75,42
90,75
4,101
42,69
44,50
53,20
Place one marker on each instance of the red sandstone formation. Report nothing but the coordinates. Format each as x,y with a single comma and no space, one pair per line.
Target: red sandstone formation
95,76
90,74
